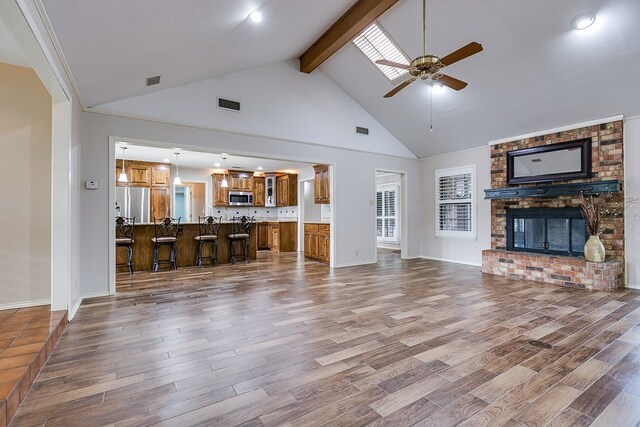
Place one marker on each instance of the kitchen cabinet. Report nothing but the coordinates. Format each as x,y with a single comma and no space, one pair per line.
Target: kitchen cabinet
317,241
287,190
258,191
220,195
241,181
278,236
160,198
321,184
144,174
160,175
263,235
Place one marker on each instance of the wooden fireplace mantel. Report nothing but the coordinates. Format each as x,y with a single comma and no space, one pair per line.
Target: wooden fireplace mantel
553,190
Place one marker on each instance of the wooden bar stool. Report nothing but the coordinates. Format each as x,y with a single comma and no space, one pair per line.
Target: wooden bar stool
208,229
124,238
241,233
166,234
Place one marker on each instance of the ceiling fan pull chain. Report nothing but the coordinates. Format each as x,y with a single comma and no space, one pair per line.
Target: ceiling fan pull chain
431,109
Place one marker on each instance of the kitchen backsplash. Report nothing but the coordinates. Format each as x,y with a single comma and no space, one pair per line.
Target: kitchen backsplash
269,214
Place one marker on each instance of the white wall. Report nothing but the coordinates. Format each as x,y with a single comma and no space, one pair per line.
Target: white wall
25,141
34,37
278,101
466,251
632,193
353,185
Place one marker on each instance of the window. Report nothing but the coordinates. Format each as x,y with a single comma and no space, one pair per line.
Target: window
374,43
455,202
387,213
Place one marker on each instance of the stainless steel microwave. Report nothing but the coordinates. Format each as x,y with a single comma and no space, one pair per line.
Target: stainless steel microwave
240,198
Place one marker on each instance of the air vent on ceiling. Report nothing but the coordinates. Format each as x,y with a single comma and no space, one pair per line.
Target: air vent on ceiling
228,104
153,80
362,131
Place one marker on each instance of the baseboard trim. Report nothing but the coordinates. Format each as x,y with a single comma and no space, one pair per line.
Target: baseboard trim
96,295
454,261
355,264
75,308
24,304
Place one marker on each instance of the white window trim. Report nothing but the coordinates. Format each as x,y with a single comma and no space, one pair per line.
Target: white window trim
446,234
396,188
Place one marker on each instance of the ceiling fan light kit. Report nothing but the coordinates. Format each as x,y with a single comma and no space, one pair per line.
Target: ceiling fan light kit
429,66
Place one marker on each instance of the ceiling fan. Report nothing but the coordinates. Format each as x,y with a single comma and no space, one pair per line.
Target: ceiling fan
429,66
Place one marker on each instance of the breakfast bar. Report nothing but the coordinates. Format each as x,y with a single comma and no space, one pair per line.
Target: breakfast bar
186,247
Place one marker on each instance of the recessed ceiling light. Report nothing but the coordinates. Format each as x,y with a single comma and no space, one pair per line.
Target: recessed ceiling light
166,160
583,21
216,165
260,168
255,16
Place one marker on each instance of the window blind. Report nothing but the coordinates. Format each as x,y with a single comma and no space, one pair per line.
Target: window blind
454,202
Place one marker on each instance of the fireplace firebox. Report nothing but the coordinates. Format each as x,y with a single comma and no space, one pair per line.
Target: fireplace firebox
554,231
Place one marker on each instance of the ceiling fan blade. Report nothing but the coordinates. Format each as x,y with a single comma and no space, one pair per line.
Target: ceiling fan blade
400,87
462,53
392,64
451,82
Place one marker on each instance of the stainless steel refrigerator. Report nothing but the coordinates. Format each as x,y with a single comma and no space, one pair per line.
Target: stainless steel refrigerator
134,201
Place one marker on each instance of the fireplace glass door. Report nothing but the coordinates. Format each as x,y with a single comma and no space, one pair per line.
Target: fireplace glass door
558,231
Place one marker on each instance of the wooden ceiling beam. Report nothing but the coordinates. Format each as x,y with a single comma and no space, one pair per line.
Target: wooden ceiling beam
356,19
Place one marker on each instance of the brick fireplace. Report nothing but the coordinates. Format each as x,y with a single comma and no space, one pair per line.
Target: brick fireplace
565,270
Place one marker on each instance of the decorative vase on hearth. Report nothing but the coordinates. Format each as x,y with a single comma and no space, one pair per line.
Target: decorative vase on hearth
594,249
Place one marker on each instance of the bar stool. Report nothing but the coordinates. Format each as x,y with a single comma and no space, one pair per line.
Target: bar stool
166,234
124,238
208,229
241,233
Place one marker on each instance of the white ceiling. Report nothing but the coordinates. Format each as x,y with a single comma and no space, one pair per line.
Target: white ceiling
534,74
112,46
202,160
10,50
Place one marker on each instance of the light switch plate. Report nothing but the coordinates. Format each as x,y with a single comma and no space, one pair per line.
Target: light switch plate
91,185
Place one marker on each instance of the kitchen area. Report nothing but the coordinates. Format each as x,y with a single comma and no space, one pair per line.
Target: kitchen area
283,206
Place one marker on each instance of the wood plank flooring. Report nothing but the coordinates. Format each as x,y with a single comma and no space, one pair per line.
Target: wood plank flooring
282,341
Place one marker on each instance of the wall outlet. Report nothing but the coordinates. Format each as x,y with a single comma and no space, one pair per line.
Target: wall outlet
357,252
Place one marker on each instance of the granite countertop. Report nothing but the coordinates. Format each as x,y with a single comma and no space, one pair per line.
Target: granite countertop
228,222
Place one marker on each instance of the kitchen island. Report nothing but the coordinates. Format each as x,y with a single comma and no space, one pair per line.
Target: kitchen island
186,245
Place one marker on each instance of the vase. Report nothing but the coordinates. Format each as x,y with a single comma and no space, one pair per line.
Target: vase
594,249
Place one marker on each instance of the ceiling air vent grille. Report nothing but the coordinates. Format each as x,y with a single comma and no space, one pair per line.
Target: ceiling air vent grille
362,131
153,80
228,104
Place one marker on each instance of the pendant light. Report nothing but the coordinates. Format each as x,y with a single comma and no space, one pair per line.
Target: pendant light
177,180
123,174
224,183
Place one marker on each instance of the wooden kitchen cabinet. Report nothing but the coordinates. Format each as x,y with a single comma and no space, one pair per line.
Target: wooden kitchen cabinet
160,202
317,242
160,175
258,191
220,195
287,190
321,184
278,236
263,235
241,181
144,174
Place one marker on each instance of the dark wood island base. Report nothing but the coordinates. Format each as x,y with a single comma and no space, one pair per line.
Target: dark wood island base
186,245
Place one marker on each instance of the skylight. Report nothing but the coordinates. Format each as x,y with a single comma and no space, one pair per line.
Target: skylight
374,43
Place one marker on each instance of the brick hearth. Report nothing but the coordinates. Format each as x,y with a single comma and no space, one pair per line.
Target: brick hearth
558,270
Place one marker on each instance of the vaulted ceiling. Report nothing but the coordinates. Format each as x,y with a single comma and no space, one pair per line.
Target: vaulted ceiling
535,72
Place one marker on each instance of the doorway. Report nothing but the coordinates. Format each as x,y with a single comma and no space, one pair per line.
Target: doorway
389,212
189,201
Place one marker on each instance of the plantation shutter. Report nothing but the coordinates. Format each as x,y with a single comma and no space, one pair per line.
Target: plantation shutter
454,202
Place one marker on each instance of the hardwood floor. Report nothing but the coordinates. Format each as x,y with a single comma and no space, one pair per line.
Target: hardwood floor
287,342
